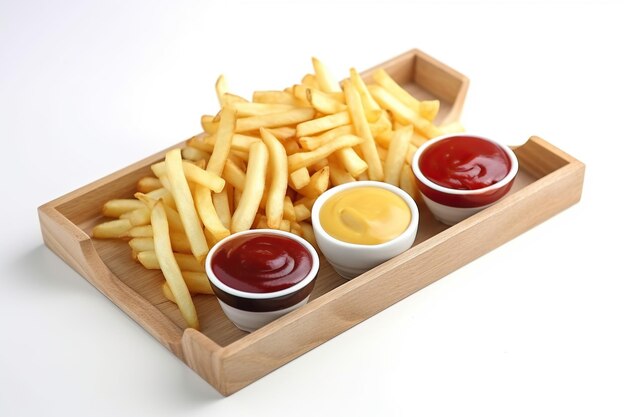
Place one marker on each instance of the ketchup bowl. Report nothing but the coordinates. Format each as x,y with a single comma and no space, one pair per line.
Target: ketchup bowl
259,275
361,224
461,174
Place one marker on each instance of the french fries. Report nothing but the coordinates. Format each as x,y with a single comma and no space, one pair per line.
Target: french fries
112,229
171,270
262,164
119,206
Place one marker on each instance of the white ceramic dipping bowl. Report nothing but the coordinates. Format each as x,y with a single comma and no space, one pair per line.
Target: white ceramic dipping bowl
450,205
351,259
252,310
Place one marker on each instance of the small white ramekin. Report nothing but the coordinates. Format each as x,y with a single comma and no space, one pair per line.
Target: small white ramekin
250,311
351,259
450,205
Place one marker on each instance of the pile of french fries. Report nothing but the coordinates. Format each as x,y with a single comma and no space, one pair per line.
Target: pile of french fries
261,164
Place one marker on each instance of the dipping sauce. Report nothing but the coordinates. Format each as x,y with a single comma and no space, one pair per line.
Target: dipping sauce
365,215
261,263
464,163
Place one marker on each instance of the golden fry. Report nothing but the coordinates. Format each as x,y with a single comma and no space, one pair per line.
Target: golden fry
324,103
305,159
429,109
385,81
396,154
279,176
321,124
185,204
253,189
140,231
299,178
119,206
302,212
203,177
141,244
169,267
112,229
290,117
178,240
190,153
310,143
185,261
138,217
407,181
193,173
208,214
275,97
351,161
224,136
259,109
323,77
147,184
209,124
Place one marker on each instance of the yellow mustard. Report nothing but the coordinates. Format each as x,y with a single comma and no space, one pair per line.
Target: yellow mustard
365,215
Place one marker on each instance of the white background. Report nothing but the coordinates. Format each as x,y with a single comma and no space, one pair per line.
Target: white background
536,327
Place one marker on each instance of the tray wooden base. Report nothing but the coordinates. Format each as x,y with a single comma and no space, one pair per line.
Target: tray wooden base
548,182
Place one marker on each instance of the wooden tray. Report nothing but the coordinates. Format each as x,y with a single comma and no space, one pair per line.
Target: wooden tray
549,180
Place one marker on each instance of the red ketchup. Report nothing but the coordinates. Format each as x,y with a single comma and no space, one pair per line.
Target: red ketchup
464,163
261,263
